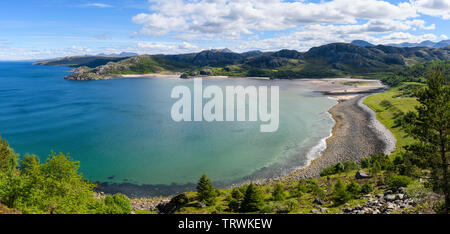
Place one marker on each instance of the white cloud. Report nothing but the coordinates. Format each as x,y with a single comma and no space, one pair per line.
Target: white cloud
99,5
439,8
312,36
230,19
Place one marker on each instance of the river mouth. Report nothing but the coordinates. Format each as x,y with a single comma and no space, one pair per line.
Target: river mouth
122,133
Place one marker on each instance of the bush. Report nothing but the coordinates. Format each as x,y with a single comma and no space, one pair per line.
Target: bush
300,189
386,104
340,194
278,193
416,189
117,204
253,199
398,181
292,204
366,188
235,200
339,168
313,188
8,159
366,162
354,189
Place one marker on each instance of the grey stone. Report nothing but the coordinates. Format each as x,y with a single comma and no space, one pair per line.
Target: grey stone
361,175
389,197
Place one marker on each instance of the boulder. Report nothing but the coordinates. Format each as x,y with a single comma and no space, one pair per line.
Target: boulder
389,197
402,190
361,175
318,201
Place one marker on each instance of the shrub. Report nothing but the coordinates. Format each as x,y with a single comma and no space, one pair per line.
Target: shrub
235,200
385,103
253,199
354,189
300,189
417,189
313,188
278,193
292,204
366,162
366,188
398,181
340,194
339,168
8,159
117,204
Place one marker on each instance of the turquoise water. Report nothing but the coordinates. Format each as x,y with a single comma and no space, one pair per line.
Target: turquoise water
121,130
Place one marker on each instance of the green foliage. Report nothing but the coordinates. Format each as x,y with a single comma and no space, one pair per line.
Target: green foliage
418,73
429,125
366,162
386,103
116,204
313,187
235,200
398,181
340,194
339,168
206,191
278,193
300,189
8,159
253,199
416,189
366,188
354,189
55,187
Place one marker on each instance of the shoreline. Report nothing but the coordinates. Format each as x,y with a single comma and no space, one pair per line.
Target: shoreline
347,110
330,156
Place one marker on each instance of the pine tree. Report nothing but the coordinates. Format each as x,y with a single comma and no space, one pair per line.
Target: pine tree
235,200
340,194
430,125
253,199
206,191
278,193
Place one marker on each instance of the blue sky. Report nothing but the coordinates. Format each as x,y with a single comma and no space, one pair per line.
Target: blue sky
35,29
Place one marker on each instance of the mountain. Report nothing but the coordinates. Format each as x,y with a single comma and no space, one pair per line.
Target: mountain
123,54
362,43
332,60
77,61
430,44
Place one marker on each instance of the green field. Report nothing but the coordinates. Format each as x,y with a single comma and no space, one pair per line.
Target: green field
390,104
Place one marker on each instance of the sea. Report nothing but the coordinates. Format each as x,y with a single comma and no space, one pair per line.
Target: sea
121,130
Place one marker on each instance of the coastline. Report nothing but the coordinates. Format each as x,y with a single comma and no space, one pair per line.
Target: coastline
345,143
356,134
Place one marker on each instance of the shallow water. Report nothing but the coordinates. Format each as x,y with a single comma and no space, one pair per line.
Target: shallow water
121,130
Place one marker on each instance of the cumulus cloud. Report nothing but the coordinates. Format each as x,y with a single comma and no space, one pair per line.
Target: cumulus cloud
315,36
230,19
439,8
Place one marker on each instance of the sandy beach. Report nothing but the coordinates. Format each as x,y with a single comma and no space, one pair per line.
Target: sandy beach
356,134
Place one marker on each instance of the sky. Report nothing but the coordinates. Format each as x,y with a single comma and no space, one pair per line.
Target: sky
41,29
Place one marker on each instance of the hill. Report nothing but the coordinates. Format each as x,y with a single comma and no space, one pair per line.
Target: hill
77,61
332,60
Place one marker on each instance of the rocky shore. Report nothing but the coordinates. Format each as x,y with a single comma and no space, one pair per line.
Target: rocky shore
356,134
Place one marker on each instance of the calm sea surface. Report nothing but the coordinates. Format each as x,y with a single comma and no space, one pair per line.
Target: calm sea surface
121,130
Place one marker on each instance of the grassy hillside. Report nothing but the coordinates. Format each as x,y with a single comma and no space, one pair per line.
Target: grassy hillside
390,106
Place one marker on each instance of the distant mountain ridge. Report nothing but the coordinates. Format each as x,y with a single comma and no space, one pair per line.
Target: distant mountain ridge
332,60
431,44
